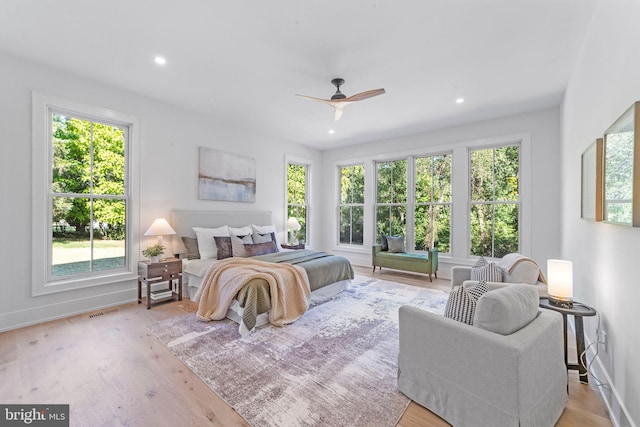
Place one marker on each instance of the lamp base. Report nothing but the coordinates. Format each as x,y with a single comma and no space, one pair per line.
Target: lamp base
559,302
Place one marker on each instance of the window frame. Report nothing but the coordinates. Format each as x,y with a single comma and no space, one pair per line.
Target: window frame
307,205
494,202
43,106
414,203
408,225
341,205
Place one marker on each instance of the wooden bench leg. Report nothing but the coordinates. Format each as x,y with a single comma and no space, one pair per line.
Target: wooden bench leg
430,278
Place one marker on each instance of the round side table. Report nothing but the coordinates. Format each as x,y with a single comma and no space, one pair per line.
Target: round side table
578,311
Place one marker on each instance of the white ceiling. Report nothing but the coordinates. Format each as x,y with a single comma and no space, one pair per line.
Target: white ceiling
244,61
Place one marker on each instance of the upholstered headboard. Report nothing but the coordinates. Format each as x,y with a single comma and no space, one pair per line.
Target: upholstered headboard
183,221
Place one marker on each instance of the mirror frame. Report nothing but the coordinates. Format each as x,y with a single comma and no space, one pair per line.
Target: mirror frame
629,121
591,208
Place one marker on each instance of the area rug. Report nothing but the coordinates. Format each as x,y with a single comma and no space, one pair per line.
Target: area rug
335,366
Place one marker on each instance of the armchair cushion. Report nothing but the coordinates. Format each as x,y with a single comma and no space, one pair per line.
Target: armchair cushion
461,304
506,310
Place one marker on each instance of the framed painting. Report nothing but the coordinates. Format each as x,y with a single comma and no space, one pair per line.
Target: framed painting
592,181
621,183
226,176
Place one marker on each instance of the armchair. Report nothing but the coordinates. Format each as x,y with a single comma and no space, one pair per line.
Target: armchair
515,268
472,376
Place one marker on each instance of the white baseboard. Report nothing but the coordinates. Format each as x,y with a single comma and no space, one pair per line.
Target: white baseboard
44,313
603,375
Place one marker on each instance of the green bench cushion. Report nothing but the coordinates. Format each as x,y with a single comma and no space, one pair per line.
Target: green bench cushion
404,256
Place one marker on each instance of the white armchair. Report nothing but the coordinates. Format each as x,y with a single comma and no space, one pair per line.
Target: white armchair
515,268
472,376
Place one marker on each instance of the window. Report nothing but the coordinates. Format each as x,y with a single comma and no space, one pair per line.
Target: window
494,200
298,198
432,209
82,195
391,197
351,205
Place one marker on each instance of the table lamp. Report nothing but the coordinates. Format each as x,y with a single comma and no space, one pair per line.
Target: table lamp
160,227
560,282
292,225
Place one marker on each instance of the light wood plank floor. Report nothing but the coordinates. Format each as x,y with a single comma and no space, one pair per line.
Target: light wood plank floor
114,372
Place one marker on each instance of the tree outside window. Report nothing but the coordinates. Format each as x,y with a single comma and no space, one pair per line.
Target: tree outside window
391,198
494,199
432,209
88,196
297,198
351,205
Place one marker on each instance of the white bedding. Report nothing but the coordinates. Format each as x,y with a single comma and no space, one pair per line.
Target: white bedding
194,271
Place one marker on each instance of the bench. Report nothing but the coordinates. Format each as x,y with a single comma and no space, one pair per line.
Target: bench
426,263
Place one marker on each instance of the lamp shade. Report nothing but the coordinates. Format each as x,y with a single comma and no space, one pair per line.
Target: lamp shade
160,227
560,280
293,224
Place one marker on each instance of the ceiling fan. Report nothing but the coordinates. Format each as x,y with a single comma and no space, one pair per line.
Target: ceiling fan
339,100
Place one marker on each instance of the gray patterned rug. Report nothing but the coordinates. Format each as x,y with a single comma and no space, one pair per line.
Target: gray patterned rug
335,366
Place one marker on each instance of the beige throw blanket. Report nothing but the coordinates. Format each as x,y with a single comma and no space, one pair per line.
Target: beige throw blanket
288,285
510,261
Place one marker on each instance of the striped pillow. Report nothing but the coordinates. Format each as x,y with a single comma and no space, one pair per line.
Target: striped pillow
461,304
487,271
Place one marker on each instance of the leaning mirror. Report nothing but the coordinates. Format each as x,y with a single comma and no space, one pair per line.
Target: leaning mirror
621,185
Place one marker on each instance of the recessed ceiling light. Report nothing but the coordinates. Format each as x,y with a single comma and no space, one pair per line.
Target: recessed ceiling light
459,100
331,131
160,60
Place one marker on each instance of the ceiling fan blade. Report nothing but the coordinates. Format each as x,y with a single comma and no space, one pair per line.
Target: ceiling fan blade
324,101
364,95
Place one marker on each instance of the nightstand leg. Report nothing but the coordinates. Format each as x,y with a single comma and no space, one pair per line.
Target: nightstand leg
180,288
139,291
148,296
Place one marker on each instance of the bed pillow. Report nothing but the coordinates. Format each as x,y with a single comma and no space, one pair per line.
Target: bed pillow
256,249
237,245
461,304
191,244
266,229
206,244
396,244
264,238
223,244
240,231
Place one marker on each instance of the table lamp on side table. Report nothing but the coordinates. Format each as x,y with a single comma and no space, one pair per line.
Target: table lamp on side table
560,282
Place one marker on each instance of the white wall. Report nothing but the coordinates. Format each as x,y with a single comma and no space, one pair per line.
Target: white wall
603,85
543,129
170,138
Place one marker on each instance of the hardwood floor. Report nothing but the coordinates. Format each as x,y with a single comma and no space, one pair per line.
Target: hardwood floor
114,372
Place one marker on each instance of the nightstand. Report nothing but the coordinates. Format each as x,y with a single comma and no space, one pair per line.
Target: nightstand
166,270
298,246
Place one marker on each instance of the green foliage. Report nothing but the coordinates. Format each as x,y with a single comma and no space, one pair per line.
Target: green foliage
352,193
297,197
618,190
432,213
154,250
88,162
494,190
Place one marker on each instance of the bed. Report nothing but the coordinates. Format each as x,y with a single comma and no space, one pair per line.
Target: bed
327,274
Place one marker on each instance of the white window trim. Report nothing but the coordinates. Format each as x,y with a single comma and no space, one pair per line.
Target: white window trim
41,180
302,162
338,193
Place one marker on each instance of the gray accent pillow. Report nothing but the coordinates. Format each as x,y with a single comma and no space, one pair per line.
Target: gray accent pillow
385,244
191,244
256,249
508,309
223,243
461,304
396,244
